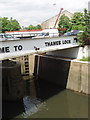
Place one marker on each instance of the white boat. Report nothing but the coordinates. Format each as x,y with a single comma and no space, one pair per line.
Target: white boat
4,36
34,33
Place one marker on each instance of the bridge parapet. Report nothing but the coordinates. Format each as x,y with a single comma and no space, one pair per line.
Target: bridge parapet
22,47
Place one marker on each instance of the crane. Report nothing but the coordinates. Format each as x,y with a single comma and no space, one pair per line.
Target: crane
58,17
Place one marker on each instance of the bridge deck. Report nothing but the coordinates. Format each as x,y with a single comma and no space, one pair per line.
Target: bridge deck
17,48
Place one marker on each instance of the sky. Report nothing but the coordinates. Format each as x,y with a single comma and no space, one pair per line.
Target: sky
35,12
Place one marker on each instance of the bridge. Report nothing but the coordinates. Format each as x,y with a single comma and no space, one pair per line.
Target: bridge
22,47
48,68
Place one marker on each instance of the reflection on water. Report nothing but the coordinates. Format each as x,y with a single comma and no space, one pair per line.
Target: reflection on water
52,102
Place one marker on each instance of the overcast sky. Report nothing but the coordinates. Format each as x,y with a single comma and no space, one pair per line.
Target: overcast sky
34,12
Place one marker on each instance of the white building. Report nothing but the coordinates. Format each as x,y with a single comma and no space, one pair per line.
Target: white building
51,22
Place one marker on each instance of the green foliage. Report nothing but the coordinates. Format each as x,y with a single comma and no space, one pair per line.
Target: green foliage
9,25
77,21
85,59
13,25
31,27
77,27
4,22
38,27
80,37
64,22
0,25
85,36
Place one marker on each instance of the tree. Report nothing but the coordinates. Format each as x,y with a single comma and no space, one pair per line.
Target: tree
64,22
77,21
13,25
84,38
0,25
4,22
9,25
38,27
31,27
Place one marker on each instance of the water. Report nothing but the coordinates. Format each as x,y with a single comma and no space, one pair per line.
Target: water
50,101
31,106
65,104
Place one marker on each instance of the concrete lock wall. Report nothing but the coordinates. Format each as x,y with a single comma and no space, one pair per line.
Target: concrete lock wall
79,78
70,74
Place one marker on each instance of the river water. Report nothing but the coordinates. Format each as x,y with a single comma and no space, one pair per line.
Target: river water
49,101
65,104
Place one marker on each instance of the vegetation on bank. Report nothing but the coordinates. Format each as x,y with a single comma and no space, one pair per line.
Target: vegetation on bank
31,27
9,24
85,59
75,23
13,25
79,21
84,38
